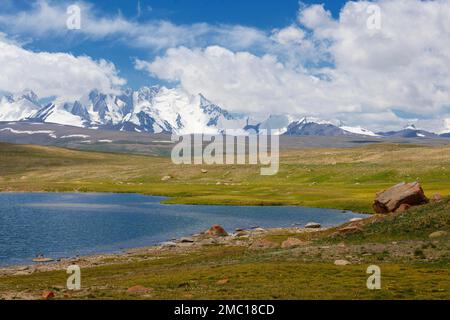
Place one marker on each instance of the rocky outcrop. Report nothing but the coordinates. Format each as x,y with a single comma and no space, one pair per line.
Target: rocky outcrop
216,231
391,199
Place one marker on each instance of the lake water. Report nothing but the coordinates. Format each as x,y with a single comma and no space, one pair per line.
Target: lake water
68,224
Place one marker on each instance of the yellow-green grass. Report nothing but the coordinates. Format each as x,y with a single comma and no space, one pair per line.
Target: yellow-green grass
333,178
250,275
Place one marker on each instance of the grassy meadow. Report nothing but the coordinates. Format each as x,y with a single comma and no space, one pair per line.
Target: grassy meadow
413,265
344,178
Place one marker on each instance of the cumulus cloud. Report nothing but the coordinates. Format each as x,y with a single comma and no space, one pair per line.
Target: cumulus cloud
289,35
363,74
317,65
54,74
49,19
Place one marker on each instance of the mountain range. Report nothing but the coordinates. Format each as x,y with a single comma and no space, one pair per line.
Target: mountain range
158,109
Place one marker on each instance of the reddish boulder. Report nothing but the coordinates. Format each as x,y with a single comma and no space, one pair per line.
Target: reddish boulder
138,289
47,295
216,231
391,199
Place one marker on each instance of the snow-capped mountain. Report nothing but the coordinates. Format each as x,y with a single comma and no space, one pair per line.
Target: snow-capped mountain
150,109
410,131
308,126
162,110
359,130
18,106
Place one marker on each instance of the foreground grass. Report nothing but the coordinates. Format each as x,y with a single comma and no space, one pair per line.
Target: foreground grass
412,267
332,178
250,275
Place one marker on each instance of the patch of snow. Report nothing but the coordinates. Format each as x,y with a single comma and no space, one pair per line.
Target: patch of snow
359,130
49,132
105,141
83,136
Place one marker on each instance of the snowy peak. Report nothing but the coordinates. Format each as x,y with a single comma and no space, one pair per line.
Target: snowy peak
410,127
359,130
159,109
409,131
18,106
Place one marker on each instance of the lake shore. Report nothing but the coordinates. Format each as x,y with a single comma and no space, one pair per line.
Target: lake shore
183,245
280,263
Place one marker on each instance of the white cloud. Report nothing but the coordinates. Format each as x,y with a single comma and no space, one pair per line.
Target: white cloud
245,82
49,19
404,66
318,65
54,74
289,35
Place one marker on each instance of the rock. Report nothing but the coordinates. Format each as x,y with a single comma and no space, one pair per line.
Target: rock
204,171
169,244
216,231
165,178
341,262
312,225
292,242
448,205
238,229
23,268
21,273
138,289
436,198
262,244
47,294
207,241
223,281
403,208
42,260
186,240
259,230
241,233
437,234
356,219
390,199
349,229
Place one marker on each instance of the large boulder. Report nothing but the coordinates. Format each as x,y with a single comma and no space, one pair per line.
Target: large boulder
216,231
391,199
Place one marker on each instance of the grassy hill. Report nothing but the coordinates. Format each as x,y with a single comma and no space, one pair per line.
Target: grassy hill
345,178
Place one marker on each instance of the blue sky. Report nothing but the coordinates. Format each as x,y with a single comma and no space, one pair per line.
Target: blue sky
264,15
378,63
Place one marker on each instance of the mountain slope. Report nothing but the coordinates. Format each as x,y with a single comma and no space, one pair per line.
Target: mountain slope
409,131
314,127
162,110
18,106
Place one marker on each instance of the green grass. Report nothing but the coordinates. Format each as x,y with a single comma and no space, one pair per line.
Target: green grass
331,178
415,224
251,276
